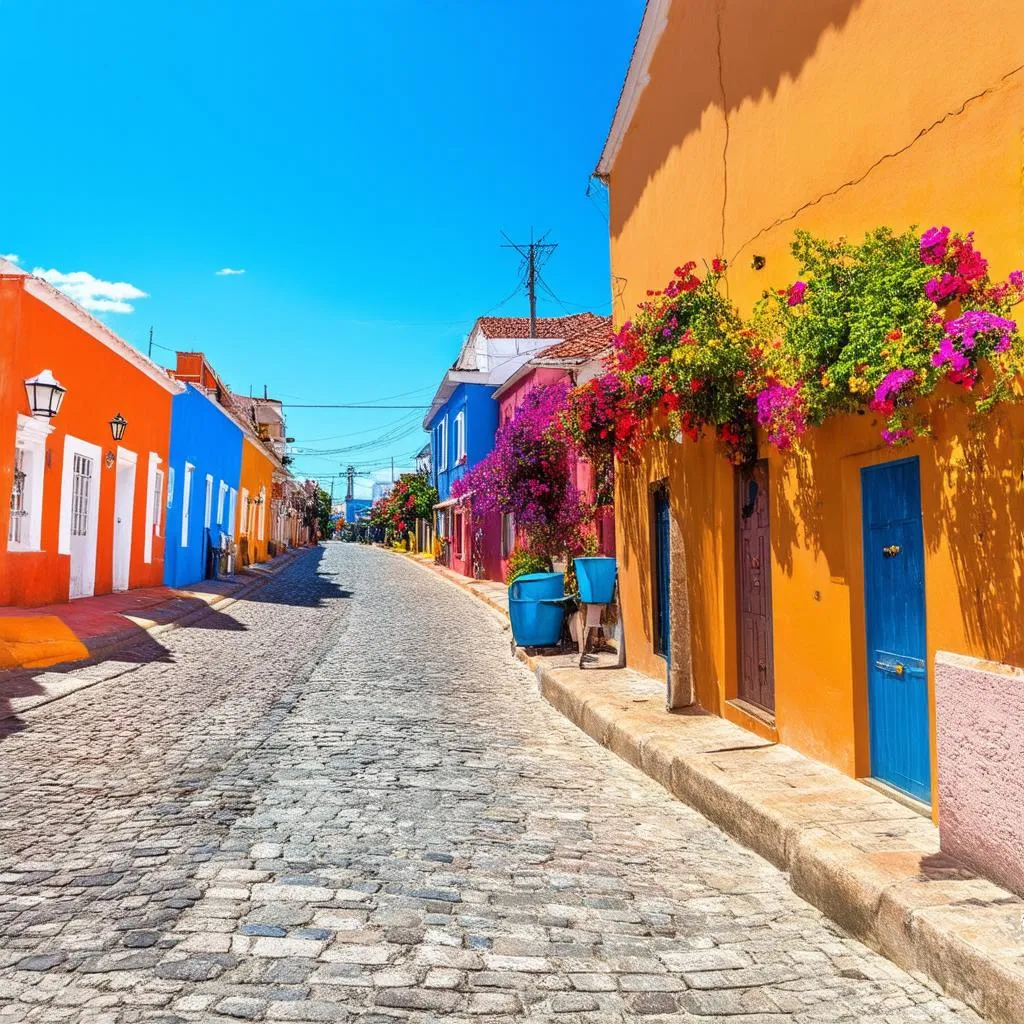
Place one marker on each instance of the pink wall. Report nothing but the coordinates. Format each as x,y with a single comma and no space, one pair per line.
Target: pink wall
583,474
979,718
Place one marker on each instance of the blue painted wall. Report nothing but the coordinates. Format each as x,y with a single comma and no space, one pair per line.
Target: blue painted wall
481,425
205,436
355,508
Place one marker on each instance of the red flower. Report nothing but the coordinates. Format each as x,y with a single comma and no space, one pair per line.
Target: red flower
718,265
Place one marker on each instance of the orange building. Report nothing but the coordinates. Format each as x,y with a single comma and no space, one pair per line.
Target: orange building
739,122
86,490
254,497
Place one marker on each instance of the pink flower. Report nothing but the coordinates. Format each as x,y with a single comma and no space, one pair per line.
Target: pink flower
796,293
933,245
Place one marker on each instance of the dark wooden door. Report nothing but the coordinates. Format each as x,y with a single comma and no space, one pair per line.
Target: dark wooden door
753,550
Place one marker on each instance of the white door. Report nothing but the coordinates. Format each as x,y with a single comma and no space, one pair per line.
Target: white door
124,506
83,525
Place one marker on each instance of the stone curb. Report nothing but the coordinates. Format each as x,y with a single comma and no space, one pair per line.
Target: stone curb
967,936
120,640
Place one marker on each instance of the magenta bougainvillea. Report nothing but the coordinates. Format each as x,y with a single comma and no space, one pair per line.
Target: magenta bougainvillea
527,475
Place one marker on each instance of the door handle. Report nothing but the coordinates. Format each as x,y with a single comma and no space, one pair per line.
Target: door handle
891,551
891,666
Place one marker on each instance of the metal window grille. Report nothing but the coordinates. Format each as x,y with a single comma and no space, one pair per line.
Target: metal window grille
19,514
81,485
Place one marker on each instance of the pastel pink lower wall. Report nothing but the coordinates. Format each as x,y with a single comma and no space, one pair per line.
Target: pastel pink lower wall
979,720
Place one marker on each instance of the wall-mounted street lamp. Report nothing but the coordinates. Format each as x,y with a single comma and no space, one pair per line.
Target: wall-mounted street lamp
44,395
117,425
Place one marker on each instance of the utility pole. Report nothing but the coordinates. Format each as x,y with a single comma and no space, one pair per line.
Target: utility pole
535,254
150,353
350,491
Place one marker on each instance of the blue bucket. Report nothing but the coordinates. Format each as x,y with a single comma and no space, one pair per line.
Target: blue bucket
536,623
596,579
535,586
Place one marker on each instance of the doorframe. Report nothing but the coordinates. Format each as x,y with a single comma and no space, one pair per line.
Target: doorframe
859,617
734,694
125,459
76,446
853,506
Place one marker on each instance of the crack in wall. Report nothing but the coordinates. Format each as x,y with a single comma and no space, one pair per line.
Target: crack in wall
725,118
927,130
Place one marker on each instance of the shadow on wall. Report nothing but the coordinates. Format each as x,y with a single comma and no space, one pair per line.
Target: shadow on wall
787,35
972,493
972,503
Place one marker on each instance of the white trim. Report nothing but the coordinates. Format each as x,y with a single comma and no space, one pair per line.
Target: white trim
70,310
222,492
186,501
460,435
208,511
232,498
442,444
153,505
72,446
637,77
261,527
243,512
30,436
122,566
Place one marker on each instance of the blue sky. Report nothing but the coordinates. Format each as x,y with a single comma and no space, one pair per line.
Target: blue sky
359,166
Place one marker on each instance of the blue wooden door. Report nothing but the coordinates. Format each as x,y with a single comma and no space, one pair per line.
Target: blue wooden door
662,576
895,617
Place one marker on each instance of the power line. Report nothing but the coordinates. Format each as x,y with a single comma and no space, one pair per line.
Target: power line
535,254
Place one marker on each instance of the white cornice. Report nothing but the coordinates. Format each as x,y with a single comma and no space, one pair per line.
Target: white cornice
651,29
70,310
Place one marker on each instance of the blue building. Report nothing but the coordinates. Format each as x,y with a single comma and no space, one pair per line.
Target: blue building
205,464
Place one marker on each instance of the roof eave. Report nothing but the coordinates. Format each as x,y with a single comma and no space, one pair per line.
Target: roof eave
637,76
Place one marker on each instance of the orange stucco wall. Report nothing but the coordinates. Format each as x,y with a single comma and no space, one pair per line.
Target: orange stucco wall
760,117
99,383
257,472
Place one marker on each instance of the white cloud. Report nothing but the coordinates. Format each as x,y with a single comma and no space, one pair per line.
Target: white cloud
11,257
93,293
229,272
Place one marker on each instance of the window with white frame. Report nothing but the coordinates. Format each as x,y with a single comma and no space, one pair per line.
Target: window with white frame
508,535
244,510
170,486
262,524
208,511
186,501
232,496
24,531
222,493
460,437
442,445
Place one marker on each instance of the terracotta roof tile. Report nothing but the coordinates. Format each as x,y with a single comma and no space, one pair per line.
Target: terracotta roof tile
586,345
566,327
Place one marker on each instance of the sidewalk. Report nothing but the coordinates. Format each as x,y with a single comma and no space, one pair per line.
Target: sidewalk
62,637
869,863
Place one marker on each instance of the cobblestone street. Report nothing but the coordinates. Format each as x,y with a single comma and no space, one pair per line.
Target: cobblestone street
344,800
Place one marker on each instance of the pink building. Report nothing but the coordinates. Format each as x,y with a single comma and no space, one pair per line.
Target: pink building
576,360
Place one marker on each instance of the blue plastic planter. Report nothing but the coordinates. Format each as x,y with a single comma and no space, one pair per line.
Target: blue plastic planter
537,585
536,623
535,608
596,579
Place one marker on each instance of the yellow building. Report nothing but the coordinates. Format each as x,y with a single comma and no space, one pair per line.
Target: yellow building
741,121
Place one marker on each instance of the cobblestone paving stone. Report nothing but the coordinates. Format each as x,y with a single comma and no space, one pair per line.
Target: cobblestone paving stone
346,802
